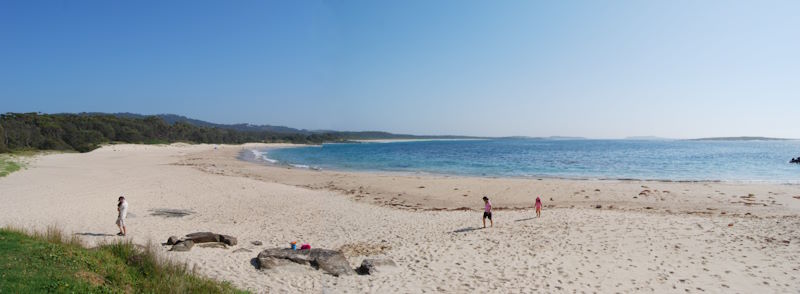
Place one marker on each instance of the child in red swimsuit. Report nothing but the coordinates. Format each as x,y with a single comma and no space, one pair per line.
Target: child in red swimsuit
538,206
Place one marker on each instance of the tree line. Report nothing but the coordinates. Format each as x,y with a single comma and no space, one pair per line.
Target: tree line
83,133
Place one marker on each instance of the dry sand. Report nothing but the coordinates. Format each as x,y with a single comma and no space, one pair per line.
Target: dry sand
677,237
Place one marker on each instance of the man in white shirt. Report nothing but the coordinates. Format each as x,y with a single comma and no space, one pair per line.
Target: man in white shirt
122,209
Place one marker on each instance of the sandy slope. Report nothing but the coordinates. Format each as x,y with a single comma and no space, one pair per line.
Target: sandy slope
684,243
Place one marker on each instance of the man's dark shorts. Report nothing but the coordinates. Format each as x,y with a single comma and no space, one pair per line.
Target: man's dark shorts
487,215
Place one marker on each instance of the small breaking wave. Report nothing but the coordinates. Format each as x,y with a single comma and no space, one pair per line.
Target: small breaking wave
263,156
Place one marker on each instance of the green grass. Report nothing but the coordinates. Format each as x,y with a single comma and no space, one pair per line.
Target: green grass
18,159
54,263
8,165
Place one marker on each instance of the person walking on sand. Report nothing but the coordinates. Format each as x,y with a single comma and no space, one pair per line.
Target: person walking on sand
122,213
538,207
487,211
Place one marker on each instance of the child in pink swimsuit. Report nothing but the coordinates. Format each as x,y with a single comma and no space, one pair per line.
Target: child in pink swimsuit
487,211
538,206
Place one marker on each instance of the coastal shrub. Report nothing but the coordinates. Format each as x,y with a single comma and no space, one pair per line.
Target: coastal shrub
53,262
86,132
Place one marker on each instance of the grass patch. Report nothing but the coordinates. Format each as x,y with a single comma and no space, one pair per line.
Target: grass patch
8,165
19,159
52,262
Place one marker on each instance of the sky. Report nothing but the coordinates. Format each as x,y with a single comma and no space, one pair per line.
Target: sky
598,69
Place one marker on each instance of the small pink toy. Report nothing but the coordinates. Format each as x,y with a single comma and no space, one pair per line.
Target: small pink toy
305,246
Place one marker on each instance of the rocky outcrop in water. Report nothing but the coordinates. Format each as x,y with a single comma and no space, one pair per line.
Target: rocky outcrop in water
795,160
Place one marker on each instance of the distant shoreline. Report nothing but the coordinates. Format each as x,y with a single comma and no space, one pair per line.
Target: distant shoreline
247,155
416,140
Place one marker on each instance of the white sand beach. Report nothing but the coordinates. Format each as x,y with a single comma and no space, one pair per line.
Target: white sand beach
646,236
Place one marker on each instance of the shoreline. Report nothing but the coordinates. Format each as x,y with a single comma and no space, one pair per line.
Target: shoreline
423,191
713,236
278,163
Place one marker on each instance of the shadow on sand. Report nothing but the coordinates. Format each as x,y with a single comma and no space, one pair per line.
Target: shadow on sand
466,230
95,234
169,212
525,219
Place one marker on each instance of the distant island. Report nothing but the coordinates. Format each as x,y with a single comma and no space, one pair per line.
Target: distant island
647,138
539,138
740,139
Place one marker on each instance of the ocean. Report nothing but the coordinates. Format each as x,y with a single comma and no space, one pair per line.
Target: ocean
667,160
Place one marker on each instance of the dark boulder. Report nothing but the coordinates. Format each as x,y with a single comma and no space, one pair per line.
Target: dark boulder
330,261
203,237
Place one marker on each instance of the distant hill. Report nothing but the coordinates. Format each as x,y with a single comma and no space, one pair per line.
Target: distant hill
242,127
174,118
740,139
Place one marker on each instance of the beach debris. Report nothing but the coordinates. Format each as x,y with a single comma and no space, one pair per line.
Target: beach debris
364,249
183,245
598,206
257,243
730,224
186,243
172,240
228,240
421,187
207,237
331,261
213,245
597,190
202,237
373,266
644,193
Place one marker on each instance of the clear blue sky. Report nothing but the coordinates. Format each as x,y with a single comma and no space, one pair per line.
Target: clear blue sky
598,69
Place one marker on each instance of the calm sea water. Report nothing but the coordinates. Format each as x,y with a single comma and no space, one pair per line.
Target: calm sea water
677,160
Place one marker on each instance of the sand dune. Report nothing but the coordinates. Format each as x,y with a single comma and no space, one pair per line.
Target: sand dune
698,237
